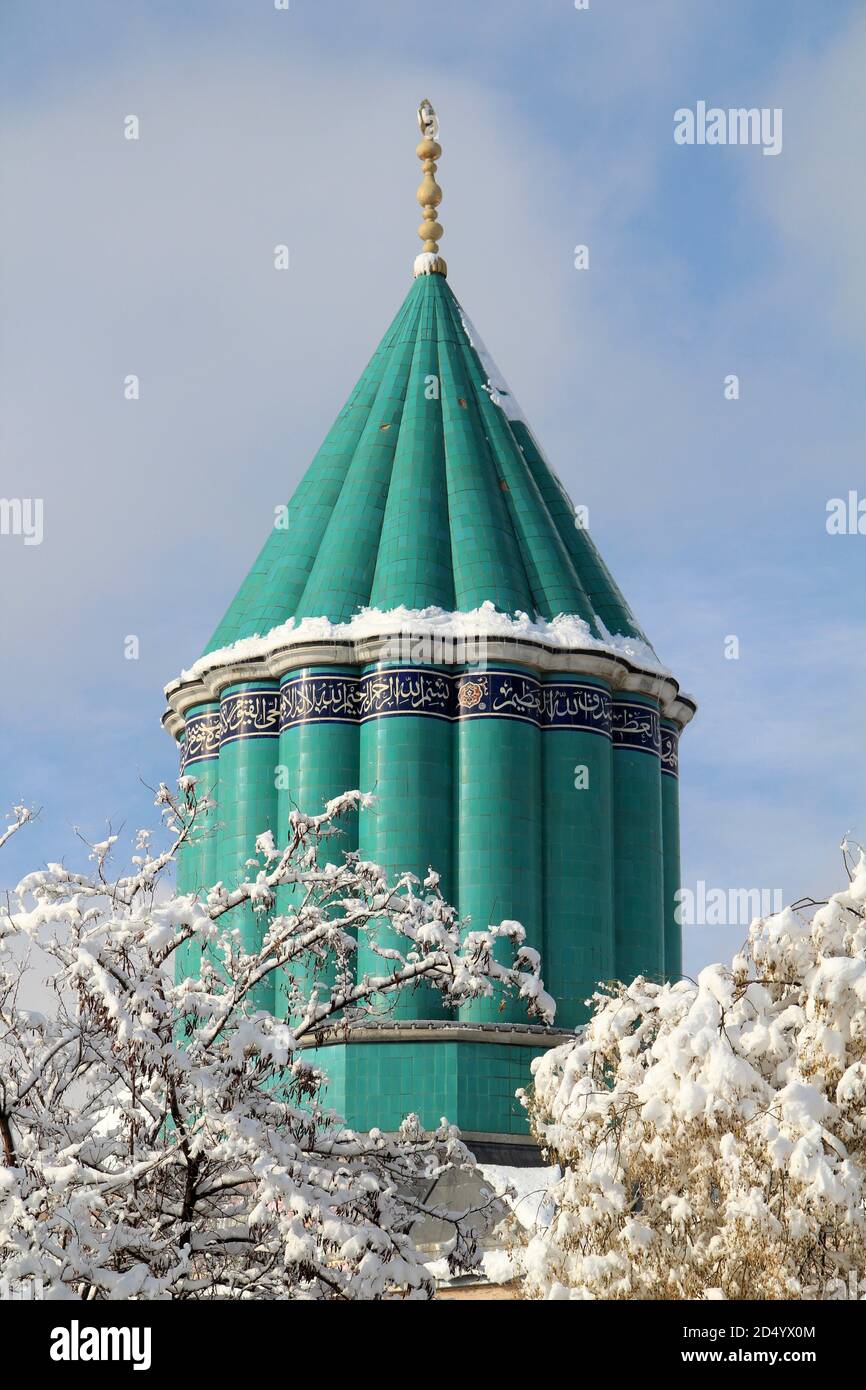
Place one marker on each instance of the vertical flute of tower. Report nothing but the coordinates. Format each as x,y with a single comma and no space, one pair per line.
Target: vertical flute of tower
196,861
602,596
249,804
485,552
317,762
542,555
407,764
671,845
497,820
637,848
577,796
413,564
341,576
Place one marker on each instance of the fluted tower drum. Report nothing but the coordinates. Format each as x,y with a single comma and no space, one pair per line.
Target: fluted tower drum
432,623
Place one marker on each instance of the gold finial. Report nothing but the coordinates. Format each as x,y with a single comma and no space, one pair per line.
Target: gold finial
429,193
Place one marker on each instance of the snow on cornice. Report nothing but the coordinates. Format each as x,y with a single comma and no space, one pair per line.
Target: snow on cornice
566,632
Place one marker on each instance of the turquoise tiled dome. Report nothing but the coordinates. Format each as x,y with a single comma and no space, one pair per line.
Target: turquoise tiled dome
424,493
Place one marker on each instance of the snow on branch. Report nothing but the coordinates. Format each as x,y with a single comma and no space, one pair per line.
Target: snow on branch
21,815
165,1136
712,1133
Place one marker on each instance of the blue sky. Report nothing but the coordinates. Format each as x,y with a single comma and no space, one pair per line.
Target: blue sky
260,127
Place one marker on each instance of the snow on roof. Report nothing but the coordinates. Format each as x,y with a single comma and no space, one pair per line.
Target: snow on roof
498,389
567,632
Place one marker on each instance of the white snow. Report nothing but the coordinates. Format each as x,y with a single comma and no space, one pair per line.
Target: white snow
525,1190
566,632
710,1132
288,1202
500,392
425,264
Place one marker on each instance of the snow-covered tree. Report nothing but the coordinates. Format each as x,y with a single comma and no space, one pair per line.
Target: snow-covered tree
712,1135
165,1139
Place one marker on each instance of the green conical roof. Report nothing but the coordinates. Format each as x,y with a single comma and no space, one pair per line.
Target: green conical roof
428,490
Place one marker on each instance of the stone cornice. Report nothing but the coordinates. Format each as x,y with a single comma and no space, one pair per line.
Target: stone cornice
483,1136
439,1031
617,671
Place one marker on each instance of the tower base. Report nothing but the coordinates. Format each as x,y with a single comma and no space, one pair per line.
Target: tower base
467,1073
